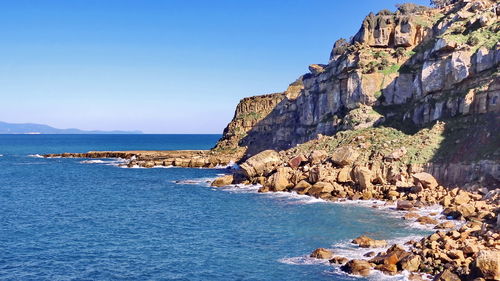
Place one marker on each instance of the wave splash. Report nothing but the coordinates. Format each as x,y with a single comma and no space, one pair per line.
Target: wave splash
35,155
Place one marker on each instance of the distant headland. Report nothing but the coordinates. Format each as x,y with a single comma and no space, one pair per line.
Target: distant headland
35,129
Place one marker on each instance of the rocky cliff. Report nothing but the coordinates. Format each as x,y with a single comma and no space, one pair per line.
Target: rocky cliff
403,71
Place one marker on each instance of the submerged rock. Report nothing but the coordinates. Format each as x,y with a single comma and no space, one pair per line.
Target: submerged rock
367,242
357,267
404,205
339,260
427,220
222,181
321,253
302,187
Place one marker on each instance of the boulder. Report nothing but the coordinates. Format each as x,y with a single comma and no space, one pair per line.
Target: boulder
345,155
410,215
296,161
387,268
426,179
367,242
317,156
263,189
339,260
316,174
446,201
445,225
461,198
446,275
321,253
302,187
392,256
369,254
280,180
487,264
363,177
357,267
222,181
320,187
404,205
466,210
470,249
261,164
456,255
427,220
411,263
344,175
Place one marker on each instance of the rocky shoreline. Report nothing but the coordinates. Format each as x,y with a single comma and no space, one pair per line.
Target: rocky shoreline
464,247
167,158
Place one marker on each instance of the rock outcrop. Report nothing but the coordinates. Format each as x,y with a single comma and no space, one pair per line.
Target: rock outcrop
321,253
150,159
405,70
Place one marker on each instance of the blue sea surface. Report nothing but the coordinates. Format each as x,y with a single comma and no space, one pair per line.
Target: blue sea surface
66,219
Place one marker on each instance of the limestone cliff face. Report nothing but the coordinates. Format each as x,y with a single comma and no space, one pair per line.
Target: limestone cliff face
404,70
248,115
406,28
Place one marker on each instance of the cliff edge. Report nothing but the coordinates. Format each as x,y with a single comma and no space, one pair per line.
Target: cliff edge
420,79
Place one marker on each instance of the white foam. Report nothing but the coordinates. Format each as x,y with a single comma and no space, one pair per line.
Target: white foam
200,181
374,275
92,162
295,198
119,162
36,156
1,155
231,165
240,188
163,167
131,167
303,260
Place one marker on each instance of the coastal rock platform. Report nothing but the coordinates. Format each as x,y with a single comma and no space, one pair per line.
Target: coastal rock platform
150,158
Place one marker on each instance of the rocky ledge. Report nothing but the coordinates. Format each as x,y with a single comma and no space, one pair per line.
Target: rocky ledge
465,246
149,159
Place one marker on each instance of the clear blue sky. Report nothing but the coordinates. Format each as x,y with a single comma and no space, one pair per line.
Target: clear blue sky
160,66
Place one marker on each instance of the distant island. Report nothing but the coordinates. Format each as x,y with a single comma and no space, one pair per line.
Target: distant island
31,128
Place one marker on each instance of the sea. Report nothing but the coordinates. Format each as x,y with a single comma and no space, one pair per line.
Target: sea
90,219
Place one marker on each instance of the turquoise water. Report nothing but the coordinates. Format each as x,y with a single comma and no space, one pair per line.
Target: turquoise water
61,219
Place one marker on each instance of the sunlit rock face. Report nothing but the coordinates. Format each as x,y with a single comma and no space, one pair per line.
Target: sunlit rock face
405,69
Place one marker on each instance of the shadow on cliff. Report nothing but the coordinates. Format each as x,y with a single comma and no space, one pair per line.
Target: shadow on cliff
265,134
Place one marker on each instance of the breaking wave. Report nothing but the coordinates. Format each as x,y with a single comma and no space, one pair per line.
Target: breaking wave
35,155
